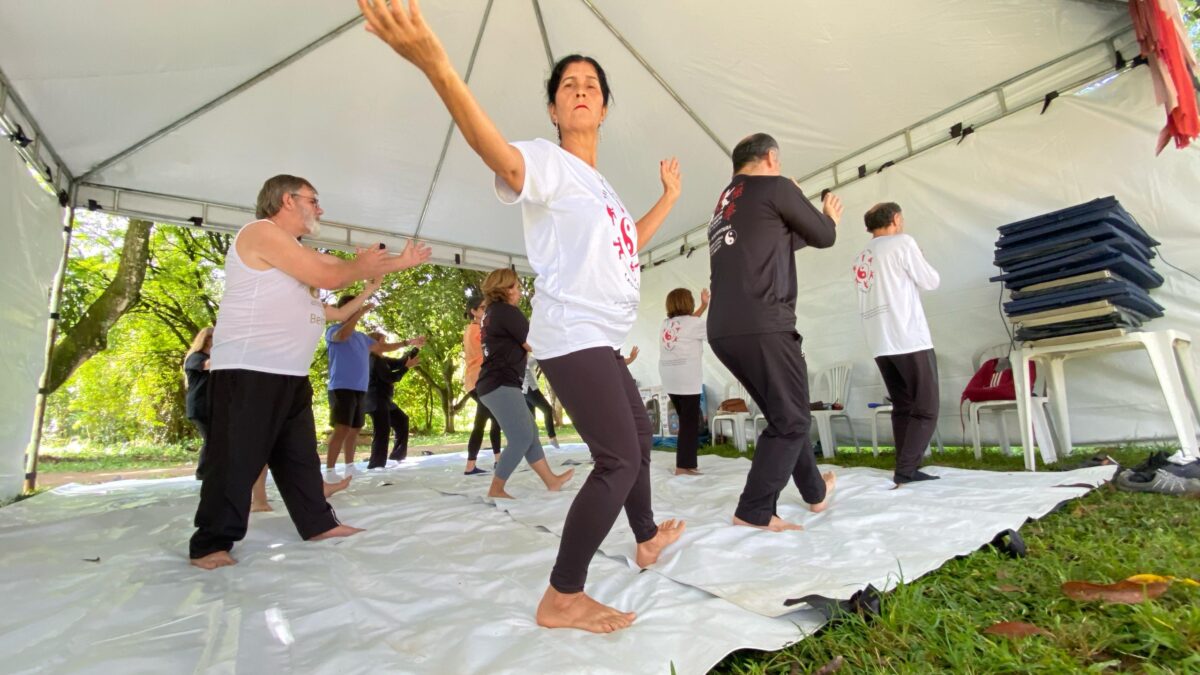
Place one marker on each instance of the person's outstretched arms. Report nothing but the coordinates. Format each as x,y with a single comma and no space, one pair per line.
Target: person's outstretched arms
405,31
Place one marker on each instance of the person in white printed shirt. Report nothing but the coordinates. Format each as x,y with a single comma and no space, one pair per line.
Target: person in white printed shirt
889,274
680,353
583,245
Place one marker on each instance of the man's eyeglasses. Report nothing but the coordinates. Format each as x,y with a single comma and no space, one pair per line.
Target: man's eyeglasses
315,202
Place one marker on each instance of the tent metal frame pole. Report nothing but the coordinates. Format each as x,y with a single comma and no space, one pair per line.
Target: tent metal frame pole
219,100
62,177
39,410
437,172
541,22
658,77
995,90
202,207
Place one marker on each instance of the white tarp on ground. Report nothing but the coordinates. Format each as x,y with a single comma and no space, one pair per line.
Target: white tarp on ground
1093,144
438,584
31,221
873,532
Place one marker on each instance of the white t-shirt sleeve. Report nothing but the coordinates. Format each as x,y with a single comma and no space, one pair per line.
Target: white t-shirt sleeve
923,275
543,174
696,328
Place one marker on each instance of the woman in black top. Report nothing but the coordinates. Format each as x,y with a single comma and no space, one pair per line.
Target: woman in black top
504,329
199,410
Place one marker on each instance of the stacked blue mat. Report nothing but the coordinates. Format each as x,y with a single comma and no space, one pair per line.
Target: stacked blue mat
1080,273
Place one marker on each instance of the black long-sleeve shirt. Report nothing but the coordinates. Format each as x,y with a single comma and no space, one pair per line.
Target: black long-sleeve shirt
384,374
758,225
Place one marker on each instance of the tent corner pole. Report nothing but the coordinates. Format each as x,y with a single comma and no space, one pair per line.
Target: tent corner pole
39,415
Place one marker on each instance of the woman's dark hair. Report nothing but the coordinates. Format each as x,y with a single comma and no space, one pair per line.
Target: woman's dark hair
556,76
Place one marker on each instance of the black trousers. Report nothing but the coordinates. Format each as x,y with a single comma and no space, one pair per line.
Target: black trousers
772,369
912,384
384,423
599,394
535,399
482,415
202,461
259,418
687,406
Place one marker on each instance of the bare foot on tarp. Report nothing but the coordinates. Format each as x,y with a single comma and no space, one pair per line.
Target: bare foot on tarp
579,610
687,472
214,560
334,488
260,507
560,480
339,531
830,482
668,532
777,524
496,490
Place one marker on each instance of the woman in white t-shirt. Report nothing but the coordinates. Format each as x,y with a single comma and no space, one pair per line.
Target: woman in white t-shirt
583,245
680,350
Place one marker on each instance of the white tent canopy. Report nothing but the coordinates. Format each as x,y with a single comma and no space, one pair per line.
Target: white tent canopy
149,103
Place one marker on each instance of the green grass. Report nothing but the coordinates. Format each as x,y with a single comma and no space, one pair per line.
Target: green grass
934,623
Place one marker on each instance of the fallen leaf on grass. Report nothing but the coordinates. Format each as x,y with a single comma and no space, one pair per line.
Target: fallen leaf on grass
1003,574
1126,592
1081,510
831,667
1016,629
1009,588
1157,579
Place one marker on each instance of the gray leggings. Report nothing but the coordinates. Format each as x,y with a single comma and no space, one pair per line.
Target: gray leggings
508,406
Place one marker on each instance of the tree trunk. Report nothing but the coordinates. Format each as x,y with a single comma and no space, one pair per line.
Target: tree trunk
89,335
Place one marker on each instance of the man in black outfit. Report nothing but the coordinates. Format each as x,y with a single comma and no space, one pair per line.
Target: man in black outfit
760,221
387,417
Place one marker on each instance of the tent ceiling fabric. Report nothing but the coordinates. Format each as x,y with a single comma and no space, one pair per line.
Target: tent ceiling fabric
825,78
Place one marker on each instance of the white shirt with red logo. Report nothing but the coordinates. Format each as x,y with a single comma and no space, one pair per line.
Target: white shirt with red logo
680,350
582,244
889,275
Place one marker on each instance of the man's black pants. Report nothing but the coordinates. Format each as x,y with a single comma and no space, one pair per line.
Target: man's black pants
772,369
259,418
912,384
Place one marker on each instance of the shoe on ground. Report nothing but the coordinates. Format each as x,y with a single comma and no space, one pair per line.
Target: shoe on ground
475,472
1160,482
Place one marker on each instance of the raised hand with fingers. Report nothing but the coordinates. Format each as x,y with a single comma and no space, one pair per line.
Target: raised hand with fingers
414,253
704,296
668,172
405,31
832,206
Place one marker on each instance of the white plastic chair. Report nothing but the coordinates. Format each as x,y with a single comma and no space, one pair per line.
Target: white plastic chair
736,421
836,383
975,409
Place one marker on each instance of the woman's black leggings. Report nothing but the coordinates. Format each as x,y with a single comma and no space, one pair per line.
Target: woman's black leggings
535,399
600,396
482,415
687,406
384,423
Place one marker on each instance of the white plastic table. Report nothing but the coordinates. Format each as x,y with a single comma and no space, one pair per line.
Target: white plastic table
1170,356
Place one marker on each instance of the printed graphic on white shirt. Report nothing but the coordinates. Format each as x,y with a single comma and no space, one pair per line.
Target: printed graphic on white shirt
670,335
864,272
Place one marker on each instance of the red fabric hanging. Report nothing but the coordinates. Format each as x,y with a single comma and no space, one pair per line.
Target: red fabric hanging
1164,43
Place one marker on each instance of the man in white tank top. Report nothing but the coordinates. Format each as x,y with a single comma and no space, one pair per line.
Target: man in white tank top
268,326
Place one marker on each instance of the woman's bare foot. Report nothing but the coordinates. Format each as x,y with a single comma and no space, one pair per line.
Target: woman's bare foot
555,484
687,472
214,560
339,531
668,532
777,524
579,610
496,491
830,482
334,488
260,507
